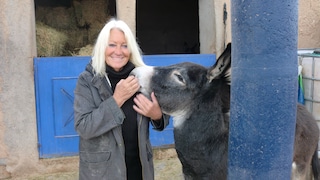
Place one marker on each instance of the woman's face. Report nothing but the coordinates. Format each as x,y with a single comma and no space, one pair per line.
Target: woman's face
117,53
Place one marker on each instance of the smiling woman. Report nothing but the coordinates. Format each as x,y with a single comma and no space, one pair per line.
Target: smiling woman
112,120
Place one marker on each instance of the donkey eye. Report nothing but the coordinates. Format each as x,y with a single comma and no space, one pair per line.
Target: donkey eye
180,78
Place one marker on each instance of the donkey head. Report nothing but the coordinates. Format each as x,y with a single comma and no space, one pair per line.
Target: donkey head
182,87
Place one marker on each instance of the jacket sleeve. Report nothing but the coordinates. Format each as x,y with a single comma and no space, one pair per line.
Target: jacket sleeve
161,124
91,120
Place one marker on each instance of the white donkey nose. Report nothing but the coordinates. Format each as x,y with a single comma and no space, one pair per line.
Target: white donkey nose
144,74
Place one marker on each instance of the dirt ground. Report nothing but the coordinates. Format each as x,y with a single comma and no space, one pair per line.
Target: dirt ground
166,164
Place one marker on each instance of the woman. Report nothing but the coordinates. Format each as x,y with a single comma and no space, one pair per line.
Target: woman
111,118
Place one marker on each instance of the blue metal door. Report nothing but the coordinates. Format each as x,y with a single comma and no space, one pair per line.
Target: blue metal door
55,80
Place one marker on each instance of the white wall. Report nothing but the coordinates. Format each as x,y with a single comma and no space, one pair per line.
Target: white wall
214,35
126,11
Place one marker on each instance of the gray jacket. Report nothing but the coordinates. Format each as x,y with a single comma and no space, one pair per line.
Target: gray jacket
98,121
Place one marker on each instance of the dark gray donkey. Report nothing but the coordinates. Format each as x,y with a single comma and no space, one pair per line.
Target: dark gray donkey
198,99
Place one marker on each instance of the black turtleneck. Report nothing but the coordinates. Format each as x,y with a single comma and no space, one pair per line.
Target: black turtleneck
129,126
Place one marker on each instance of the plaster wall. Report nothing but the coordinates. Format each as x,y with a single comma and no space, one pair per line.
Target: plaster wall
309,24
214,32
18,127
126,11
17,101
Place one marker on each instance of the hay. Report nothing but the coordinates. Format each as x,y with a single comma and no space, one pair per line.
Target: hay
84,51
91,14
78,27
60,18
50,42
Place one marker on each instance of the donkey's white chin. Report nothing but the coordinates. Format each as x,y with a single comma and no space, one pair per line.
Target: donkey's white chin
179,118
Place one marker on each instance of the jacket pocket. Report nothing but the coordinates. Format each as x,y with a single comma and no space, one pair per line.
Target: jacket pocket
94,163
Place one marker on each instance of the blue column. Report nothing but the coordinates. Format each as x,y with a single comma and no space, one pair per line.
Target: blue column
263,89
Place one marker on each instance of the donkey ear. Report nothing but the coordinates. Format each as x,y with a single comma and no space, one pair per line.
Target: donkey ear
222,67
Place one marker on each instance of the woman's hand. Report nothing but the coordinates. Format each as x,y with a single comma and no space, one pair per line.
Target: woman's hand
125,89
146,107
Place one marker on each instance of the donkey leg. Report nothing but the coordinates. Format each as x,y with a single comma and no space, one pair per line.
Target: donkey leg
299,171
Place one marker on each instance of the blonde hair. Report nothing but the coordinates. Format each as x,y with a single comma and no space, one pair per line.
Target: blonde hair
98,54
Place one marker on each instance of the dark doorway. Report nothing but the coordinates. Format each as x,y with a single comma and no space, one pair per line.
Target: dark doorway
168,26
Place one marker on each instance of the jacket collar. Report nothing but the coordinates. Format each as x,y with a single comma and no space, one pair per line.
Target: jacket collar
100,82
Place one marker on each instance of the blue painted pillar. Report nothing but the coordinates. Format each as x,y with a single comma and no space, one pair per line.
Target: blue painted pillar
263,90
